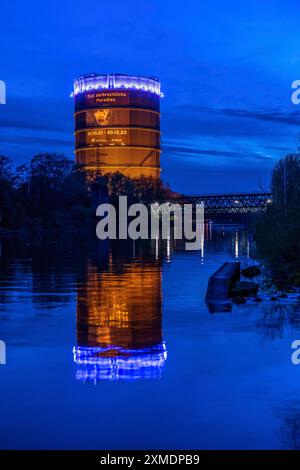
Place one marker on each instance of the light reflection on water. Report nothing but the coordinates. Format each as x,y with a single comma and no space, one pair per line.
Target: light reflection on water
119,319
115,363
86,324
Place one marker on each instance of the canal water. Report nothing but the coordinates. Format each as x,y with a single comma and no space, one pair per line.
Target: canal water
111,346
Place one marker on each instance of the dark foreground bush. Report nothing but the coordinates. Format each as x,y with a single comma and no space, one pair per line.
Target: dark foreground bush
278,230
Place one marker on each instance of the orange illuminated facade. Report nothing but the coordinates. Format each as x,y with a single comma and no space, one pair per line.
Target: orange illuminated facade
119,322
117,124
121,310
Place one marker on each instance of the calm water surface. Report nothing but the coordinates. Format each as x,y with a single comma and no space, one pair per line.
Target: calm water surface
112,346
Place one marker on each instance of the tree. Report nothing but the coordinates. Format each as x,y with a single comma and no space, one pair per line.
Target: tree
6,170
142,189
149,190
278,230
50,168
7,193
285,187
119,185
46,174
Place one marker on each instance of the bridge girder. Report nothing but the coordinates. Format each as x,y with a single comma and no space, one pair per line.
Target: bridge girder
233,203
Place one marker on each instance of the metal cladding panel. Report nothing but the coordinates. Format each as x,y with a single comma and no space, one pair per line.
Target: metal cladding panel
117,98
104,117
117,137
118,157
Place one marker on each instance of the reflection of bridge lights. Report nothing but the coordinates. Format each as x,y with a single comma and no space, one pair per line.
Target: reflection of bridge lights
168,249
115,363
236,245
156,248
236,201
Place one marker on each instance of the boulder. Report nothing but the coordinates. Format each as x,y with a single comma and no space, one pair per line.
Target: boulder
251,271
245,288
222,281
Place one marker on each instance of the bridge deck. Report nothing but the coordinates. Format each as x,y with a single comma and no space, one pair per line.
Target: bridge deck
232,203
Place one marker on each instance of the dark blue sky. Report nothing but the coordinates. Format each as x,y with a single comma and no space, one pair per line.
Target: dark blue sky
226,69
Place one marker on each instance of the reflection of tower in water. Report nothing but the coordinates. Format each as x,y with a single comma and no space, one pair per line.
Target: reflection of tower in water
119,333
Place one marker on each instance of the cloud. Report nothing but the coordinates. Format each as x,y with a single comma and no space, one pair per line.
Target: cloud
196,151
35,122
37,113
273,115
34,140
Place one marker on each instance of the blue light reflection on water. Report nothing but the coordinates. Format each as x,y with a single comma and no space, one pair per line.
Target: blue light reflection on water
113,363
228,381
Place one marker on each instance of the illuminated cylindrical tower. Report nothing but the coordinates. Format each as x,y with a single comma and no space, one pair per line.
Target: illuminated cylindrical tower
117,124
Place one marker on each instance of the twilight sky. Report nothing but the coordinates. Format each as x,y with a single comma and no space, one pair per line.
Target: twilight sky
226,69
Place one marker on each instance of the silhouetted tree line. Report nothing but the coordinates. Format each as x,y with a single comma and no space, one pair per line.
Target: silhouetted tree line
51,193
278,230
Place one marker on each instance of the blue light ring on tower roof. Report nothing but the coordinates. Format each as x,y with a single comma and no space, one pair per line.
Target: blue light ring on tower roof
95,82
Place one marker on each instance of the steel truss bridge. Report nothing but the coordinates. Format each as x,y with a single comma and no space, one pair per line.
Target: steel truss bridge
229,204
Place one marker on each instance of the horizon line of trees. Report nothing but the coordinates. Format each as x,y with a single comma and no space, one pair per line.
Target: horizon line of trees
51,192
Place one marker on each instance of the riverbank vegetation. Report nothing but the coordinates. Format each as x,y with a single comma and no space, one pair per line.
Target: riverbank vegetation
278,230
52,195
